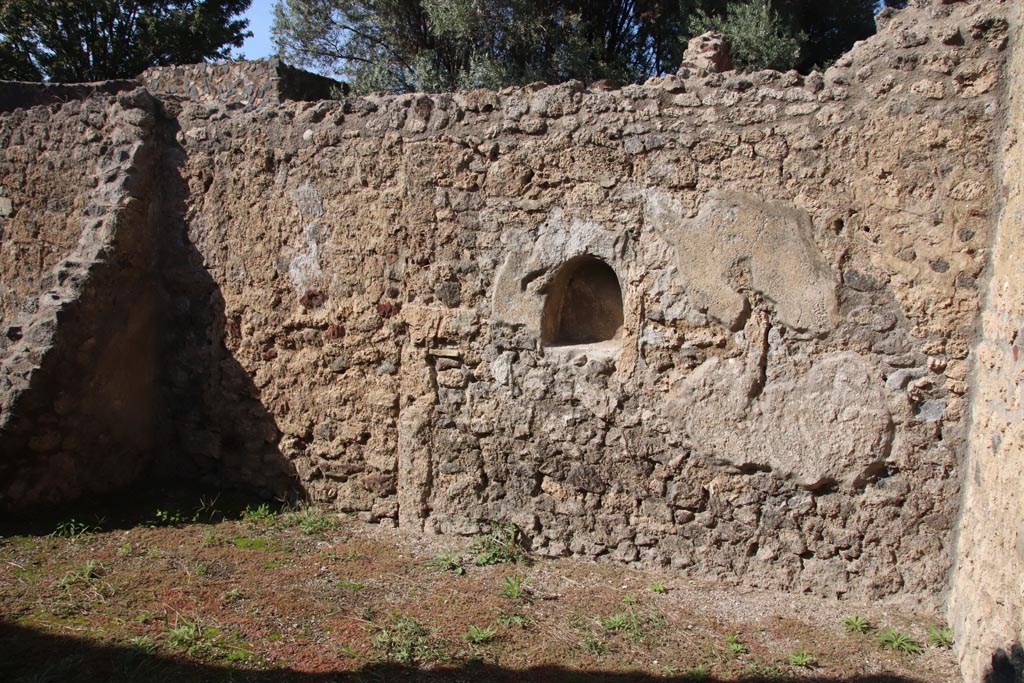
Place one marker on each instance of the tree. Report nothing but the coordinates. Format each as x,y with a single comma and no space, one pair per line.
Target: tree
89,40
757,35
438,45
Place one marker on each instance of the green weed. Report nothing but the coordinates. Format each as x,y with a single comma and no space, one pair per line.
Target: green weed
596,646
499,545
349,585
659,587
762,671
447,562
697,673
891,639
735,646
311,520
478,636
258,516
512,619
72,530
940,637
167,518
637,625
404,640
857,623
143,645
514,587
801,659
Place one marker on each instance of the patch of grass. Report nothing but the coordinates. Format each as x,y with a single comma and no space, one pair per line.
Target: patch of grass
697,673
233,595
940,637
261,515
311,520
514,587
448,562
478,636
144,645
72,530
595,646
801,659
512,619
167,518
891,639
403,640
735,646
207,642
857,623
659,587
762,671
349,585
500,545
637,625
253,543
83,575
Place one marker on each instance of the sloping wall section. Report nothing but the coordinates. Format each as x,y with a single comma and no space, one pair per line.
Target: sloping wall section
987,600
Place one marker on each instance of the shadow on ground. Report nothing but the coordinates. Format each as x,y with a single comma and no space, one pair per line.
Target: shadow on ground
35,657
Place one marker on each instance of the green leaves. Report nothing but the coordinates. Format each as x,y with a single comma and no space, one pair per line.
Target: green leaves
89,40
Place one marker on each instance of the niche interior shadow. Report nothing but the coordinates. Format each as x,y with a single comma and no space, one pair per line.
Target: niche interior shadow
583,305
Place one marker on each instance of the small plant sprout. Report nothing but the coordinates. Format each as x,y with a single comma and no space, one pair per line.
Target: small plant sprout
143,645
697,673
514,587
478,636
404,640
72,530
801,659
659,587
857,623
891,639
258,516
448,562
499,545
735,645
595,646
512,619
940,637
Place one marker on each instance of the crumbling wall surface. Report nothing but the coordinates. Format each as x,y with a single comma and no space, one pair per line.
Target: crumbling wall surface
798,257
77,354
244,83
987,600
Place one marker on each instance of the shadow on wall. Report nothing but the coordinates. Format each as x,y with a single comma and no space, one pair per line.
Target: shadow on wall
49,657
214,428
1007,665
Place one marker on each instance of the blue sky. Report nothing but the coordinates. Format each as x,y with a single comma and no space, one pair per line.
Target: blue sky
260,16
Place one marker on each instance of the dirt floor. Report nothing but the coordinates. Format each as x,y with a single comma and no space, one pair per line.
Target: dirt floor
194,593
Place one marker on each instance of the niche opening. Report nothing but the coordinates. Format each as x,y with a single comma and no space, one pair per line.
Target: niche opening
584,304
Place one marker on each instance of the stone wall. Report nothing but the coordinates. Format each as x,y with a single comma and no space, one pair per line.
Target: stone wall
987,601
78,352
238,83
718,322
798,256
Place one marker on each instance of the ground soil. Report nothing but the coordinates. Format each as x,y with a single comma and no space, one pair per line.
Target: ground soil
197,594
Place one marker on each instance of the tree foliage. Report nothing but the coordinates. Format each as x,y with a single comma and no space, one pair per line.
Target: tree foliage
757,35
401,45
88,40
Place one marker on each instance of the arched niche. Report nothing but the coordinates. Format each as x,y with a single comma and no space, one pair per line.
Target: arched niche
583,304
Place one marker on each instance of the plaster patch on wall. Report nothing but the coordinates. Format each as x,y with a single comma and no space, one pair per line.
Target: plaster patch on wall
304,258
828,424
737,236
